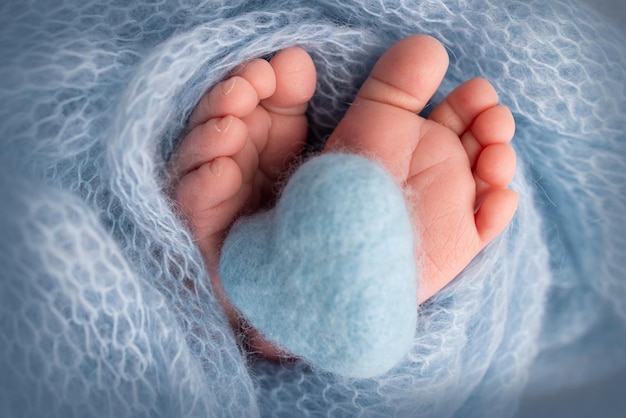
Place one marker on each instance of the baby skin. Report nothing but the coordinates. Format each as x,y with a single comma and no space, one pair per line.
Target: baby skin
453,166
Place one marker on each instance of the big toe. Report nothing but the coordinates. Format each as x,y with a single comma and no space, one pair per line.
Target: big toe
407,74
382,122
295,82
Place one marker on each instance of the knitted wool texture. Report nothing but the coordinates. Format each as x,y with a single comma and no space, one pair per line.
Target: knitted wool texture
96,315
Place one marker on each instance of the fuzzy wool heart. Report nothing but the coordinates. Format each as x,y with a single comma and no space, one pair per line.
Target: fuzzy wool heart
329,274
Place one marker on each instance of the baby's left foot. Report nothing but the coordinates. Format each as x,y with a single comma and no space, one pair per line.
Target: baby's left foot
243,135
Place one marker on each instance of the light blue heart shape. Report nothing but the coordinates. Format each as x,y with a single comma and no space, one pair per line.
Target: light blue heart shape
329,274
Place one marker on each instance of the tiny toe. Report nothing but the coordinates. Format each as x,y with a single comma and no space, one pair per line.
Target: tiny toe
233,96
295,82
201,192
407,74
282,134
496,165
218,137
495,213
260,74
459,109
494,126
382,121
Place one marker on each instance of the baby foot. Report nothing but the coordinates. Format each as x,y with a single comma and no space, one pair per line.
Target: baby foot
454,166
244,133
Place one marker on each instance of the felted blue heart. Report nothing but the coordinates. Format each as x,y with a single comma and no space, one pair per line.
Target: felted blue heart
329,274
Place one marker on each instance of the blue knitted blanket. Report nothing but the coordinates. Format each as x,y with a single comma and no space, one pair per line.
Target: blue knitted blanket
96,314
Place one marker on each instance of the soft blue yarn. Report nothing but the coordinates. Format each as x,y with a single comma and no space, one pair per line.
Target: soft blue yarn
330,273
97,317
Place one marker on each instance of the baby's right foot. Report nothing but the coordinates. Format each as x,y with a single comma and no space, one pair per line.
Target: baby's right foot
244,134
454,166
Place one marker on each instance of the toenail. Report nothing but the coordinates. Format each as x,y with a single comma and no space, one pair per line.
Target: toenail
229,85
222,124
